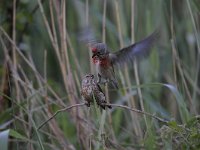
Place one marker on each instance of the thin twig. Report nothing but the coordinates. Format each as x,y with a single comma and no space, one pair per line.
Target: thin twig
57,112
138,111
113,105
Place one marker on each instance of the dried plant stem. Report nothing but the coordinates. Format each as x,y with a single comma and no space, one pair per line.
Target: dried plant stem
30,64
53,26
132,21
104,21
139,89
172,36
194,95
177,64
139,111
92,70
57,112
87,12
119,24
135,61
49,30
14,56
131,102
104,40
13,68
113,105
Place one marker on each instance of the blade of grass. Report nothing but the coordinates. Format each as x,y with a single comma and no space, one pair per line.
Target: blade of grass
185,115
131,102
4,139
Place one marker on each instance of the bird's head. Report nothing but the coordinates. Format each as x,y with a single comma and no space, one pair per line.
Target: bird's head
99,49
87,79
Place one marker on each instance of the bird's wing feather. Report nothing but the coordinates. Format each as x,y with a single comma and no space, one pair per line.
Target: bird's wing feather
135,50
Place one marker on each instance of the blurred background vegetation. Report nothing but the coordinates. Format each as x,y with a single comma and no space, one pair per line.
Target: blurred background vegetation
42,63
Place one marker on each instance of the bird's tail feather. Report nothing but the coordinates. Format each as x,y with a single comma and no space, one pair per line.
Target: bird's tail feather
104,106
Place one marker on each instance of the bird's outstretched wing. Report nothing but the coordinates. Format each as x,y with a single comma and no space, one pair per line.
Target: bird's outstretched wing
136,50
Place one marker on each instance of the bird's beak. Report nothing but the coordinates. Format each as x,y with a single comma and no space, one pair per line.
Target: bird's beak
94,54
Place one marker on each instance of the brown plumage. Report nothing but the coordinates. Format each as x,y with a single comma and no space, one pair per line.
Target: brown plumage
90,90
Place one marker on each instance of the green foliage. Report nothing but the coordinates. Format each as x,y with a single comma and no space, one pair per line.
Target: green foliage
42,63
4,139
17,135
185,136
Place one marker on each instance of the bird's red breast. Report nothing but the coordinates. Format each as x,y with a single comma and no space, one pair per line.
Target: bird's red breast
104,62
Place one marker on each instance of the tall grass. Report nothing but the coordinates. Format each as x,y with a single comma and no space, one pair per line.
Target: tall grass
43,62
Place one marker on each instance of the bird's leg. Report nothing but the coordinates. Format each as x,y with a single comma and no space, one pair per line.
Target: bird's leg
99,78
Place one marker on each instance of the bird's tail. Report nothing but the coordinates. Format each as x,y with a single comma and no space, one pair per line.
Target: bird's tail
109,106
103,106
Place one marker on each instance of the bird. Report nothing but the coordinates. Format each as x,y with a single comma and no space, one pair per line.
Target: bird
91,90
105,61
